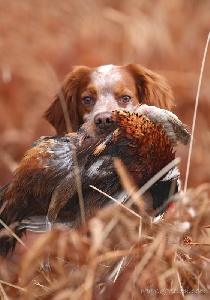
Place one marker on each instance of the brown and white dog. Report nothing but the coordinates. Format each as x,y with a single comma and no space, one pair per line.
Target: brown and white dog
91,94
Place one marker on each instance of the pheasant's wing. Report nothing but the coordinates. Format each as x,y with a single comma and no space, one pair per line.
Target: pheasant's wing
36,179
61,194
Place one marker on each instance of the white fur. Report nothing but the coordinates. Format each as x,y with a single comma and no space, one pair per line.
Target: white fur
106,69
106,76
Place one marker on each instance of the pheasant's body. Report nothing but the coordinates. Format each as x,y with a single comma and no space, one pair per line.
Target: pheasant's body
44,184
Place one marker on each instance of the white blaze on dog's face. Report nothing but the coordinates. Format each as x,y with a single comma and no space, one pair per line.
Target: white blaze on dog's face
110,88
114,86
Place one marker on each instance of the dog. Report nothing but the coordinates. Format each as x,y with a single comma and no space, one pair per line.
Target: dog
91,94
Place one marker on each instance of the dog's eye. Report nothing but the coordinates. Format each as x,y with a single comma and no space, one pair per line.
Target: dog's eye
88,101
125,99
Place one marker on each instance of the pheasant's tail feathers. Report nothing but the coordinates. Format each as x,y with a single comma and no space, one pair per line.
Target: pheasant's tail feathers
180,129
175,129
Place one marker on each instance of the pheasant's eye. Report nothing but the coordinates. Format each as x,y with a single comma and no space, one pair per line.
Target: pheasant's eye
88,101
125,99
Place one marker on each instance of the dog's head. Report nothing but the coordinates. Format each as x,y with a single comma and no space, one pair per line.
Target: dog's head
89,95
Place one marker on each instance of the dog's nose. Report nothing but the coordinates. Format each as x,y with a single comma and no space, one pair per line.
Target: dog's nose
103,120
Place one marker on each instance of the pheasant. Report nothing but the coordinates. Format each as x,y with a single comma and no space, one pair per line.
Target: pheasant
45,182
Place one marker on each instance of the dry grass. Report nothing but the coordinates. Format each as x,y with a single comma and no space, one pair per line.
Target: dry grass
39,40
118,255
121,256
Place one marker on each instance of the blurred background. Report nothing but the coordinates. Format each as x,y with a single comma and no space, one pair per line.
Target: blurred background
41,40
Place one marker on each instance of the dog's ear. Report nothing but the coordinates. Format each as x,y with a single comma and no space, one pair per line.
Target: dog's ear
152,87
64,108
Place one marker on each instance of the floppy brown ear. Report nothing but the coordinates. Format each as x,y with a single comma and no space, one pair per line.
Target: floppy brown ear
69,93
153,88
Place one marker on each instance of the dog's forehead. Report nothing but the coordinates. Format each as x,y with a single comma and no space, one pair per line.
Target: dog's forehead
107,69
106,73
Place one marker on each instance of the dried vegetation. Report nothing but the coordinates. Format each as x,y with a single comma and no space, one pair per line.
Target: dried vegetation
117,255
